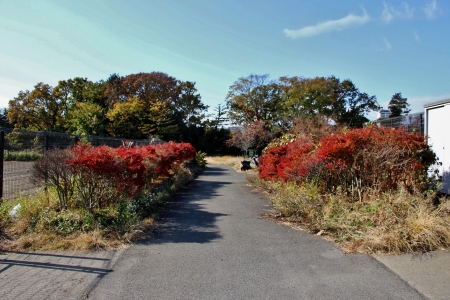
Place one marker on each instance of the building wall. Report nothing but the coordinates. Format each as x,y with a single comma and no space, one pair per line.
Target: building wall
437,128
384,113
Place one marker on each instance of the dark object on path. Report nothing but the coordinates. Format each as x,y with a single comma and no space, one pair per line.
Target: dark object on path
245,165
255,159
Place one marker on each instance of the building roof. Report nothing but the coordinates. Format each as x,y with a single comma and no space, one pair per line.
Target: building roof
441,102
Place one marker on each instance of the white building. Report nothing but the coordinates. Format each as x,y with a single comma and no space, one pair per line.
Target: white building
437,126
383,113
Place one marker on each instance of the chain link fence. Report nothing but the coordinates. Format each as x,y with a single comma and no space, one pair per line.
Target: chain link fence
412,122
19,149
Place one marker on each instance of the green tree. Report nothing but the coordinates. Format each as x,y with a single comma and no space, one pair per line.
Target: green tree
4,122
339,101
254,98
354,105
306,97
171,109
78,90
87,118
398,105
134,119
159,121
126,119
220,116
189,105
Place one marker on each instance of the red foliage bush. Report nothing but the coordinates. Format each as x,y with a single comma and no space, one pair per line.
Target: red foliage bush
129,169
375,157
270,161
378,157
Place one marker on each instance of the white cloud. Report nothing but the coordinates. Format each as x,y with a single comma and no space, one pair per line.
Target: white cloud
417,103
386,15
386,47
328,26
416,36
430,9
403,12
387,44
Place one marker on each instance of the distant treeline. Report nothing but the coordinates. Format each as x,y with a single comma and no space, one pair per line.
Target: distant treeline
136,106
142,105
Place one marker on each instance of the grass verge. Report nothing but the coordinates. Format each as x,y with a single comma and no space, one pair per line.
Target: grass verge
40,225
386,223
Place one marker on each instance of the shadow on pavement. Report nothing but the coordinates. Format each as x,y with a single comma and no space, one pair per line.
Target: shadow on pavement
184,219
9,263
57,255
214,171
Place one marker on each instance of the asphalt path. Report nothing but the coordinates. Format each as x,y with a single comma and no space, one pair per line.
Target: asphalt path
212,243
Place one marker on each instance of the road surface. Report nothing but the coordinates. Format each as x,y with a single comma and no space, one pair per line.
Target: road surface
213,244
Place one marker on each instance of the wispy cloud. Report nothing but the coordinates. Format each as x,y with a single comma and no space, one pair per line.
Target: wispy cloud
390,12
387,44
332,25
418,102
416,36
386,15
430,9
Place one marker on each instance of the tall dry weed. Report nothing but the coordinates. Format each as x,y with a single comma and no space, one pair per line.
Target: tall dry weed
391,222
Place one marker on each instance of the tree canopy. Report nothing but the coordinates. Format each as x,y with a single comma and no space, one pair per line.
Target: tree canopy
398,105
157,104
256,98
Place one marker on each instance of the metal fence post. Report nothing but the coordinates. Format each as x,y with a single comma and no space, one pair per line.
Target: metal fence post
2,152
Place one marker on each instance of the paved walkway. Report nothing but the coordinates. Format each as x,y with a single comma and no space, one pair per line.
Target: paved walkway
428,273
53,275
212,244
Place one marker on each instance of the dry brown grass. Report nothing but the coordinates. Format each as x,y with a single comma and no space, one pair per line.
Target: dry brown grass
389,223
234,161
41,225
224,160
94,240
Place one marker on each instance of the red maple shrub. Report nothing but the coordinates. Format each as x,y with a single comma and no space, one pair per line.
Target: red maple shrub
270,161
101,175
374,157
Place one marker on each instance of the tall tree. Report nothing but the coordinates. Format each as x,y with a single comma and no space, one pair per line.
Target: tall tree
355,105
220,116
189,105
254,98
149,87
4,122
339,101
134,119
310,96
170,107
80,90
86,118
40,109
126,119
398,105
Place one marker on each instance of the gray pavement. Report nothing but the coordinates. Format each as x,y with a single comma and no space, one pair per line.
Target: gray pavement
213,244
428,273
53,275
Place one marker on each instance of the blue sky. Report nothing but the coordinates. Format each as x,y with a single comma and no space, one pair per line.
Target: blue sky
384,47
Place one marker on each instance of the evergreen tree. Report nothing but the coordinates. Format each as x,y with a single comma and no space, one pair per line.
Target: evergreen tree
4,122
398,105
